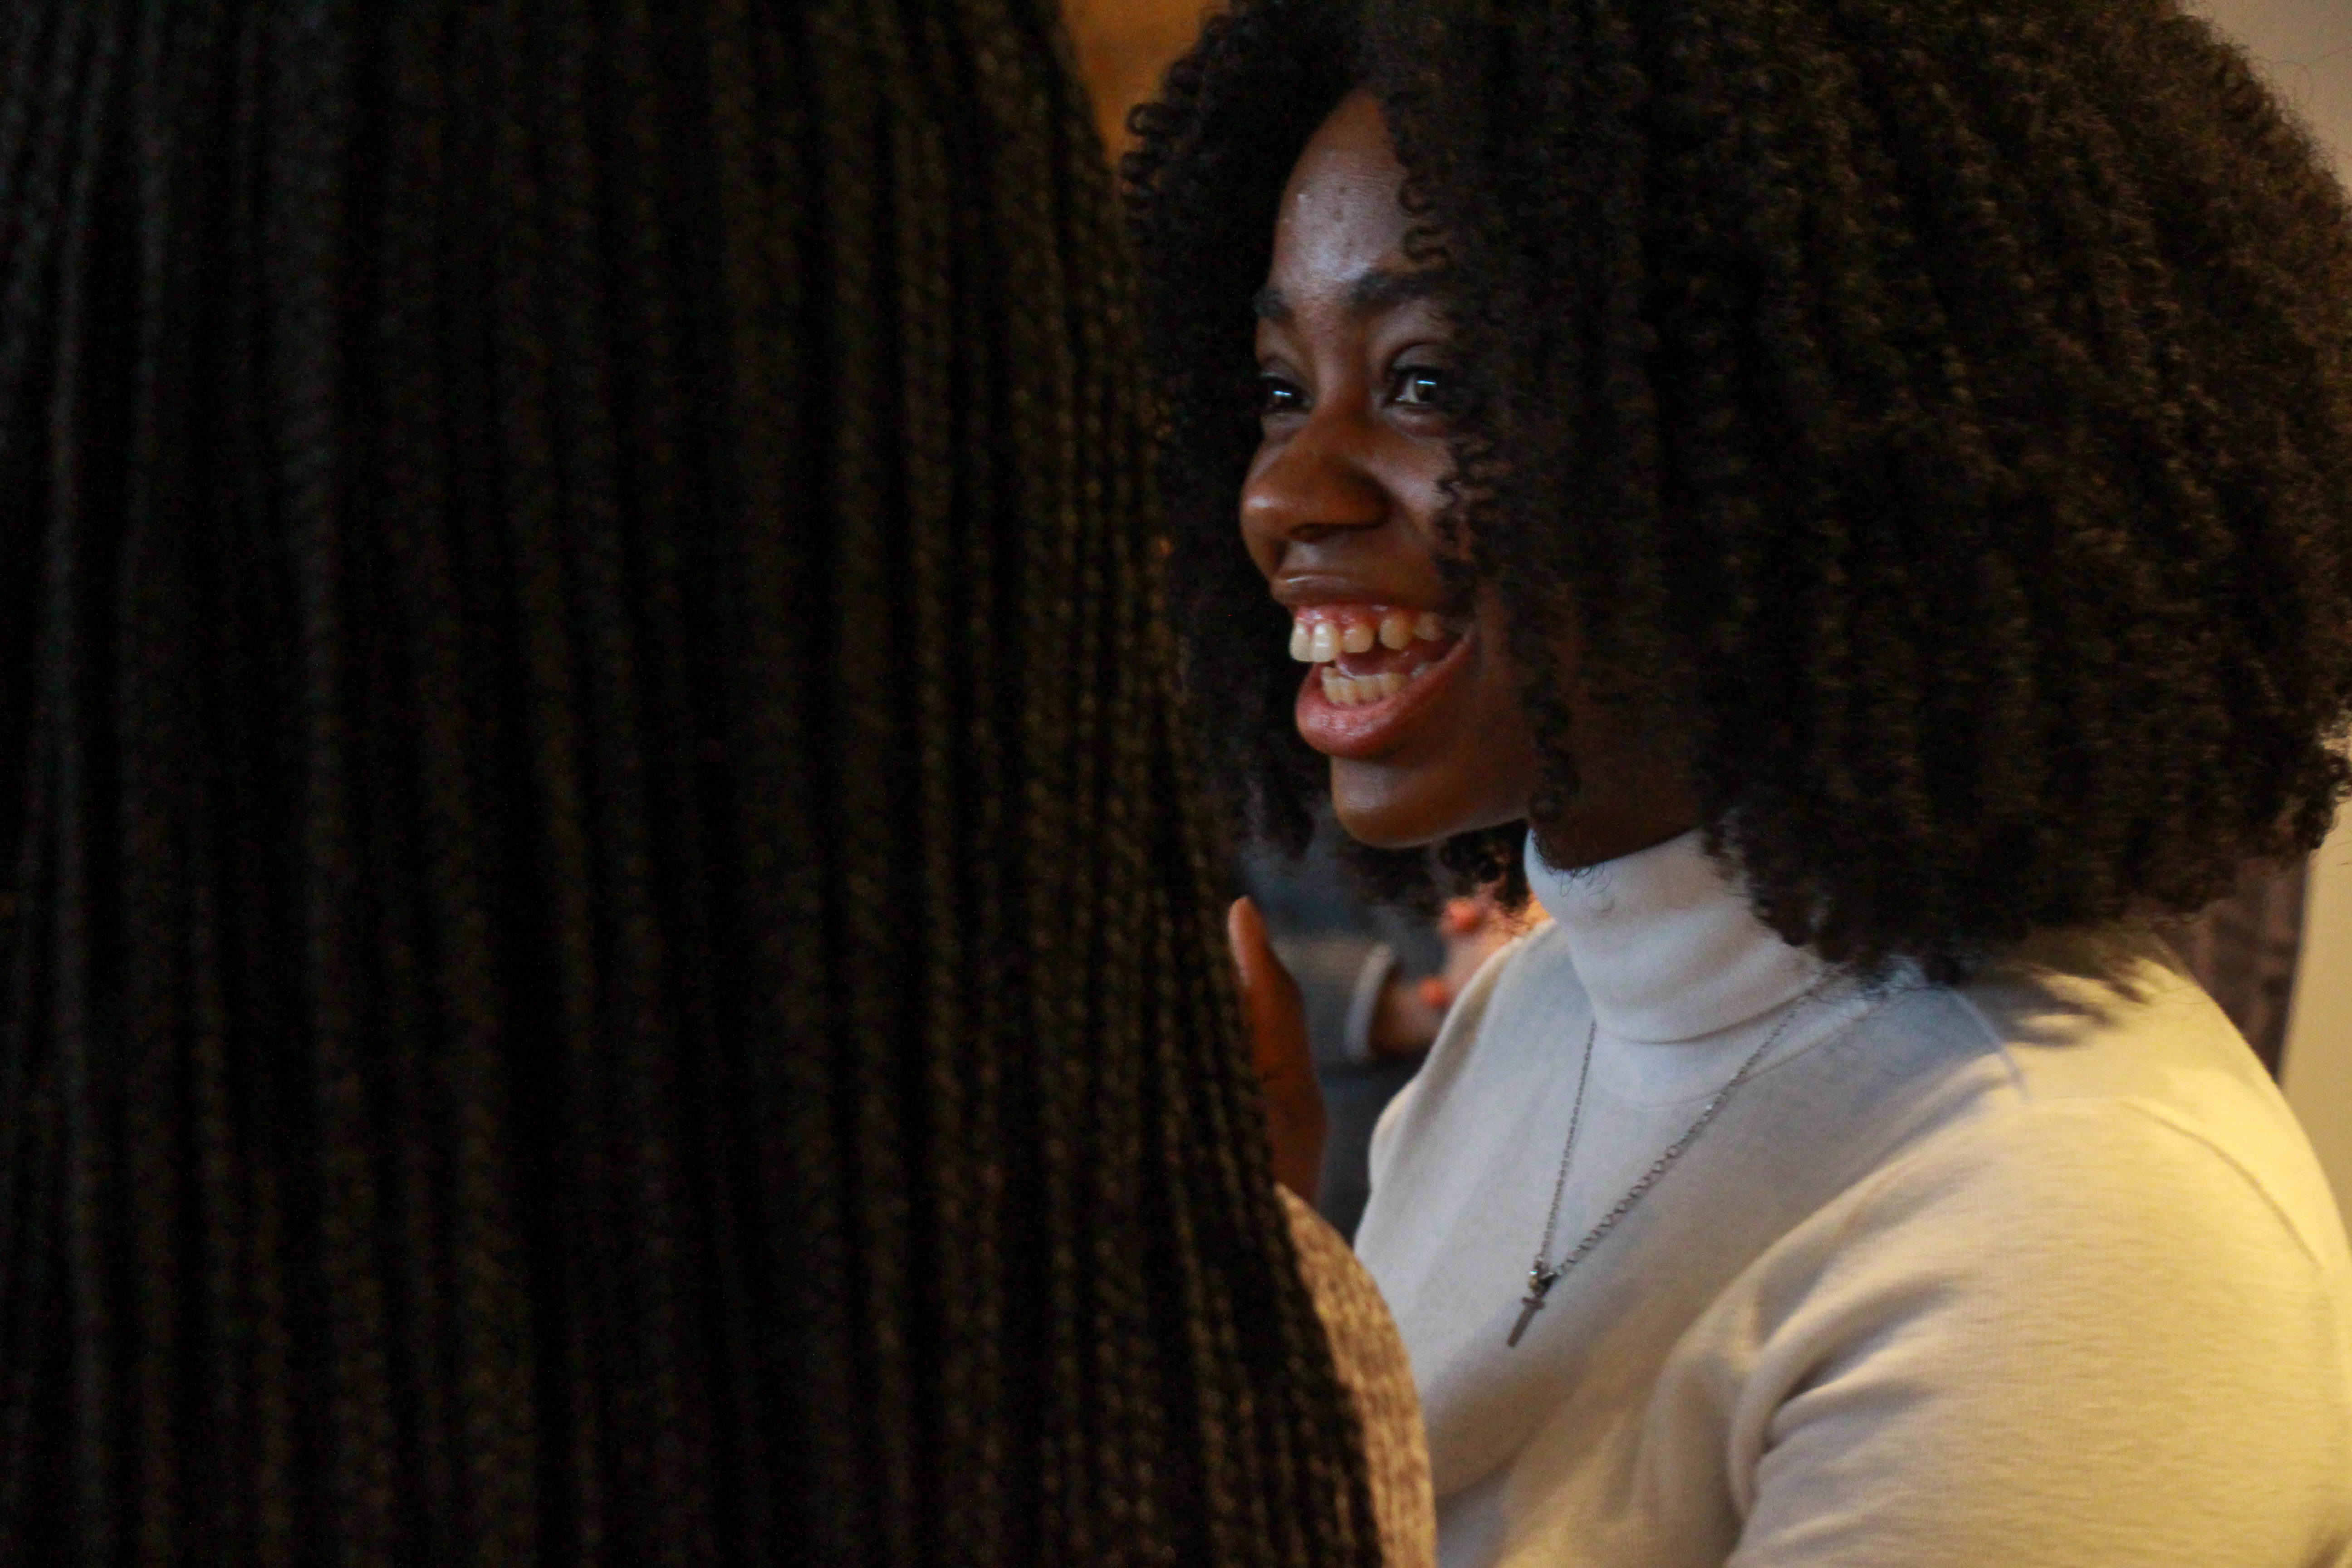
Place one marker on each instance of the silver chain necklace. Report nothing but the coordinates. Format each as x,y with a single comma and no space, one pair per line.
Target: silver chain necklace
1543,1276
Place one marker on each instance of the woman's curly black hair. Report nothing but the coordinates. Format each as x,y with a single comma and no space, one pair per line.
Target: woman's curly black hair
1932,417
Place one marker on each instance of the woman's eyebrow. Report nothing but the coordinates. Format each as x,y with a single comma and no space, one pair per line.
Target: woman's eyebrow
1380,287
1374,290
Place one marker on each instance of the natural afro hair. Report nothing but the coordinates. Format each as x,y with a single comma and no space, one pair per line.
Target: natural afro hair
1933,418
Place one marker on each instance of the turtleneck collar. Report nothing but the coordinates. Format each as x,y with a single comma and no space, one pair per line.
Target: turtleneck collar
1666,943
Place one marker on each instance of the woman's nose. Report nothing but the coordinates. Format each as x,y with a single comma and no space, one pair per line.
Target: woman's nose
1316,483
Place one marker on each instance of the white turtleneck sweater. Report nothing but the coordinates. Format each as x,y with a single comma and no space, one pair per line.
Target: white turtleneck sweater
2037,1273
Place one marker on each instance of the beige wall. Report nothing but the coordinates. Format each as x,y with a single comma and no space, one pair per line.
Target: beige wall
2319,1028
2305,48
1123,47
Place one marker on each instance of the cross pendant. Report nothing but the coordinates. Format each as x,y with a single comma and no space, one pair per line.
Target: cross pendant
1539,1284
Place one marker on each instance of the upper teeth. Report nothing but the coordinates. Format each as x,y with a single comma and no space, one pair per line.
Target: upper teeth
1327,637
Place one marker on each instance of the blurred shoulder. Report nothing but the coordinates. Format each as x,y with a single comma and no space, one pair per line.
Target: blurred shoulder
1370,1356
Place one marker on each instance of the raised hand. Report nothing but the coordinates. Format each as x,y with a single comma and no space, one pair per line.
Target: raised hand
1279,1049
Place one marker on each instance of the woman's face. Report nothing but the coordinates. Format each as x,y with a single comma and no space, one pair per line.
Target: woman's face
1412,698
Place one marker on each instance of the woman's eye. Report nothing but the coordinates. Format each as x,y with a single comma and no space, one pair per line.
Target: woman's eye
1275,395
1418,386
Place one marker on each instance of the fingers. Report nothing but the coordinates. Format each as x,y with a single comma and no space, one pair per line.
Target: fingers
1278,1051
1254,952
1269,995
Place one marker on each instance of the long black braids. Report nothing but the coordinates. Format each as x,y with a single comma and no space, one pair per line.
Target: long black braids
1933,421
605,951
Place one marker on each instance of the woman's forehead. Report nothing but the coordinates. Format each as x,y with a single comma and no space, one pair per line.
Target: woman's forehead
1342,225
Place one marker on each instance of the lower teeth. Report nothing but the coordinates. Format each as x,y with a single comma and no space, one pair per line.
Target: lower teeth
1354,691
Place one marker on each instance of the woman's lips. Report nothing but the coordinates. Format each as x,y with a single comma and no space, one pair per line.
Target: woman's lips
1363,731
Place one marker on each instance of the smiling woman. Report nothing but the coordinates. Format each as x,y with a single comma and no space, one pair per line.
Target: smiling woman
1417,704
1341,506
1882,476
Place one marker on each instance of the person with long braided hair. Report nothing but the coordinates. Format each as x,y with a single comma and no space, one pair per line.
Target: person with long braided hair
605,955
1850,502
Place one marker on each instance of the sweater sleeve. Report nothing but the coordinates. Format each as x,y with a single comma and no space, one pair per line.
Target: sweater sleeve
2084,1336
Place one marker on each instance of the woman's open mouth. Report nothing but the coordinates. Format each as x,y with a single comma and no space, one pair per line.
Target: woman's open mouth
1376,666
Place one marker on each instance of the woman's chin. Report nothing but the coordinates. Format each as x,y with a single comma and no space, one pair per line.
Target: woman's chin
1385,811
